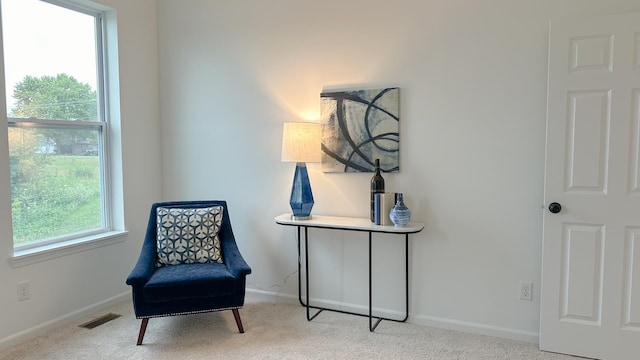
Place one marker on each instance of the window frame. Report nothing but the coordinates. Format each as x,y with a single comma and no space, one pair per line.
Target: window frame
44,249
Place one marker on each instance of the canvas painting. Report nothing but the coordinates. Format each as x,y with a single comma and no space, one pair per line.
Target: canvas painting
359,127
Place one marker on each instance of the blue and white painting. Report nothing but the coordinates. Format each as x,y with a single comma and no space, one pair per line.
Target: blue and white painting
359,127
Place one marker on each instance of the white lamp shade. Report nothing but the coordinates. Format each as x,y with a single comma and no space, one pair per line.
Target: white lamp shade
301,142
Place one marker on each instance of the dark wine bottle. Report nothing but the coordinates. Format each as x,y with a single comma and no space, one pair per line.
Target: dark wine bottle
377,187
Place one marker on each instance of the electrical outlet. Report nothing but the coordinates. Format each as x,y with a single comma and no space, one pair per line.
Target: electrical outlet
526,291
24,291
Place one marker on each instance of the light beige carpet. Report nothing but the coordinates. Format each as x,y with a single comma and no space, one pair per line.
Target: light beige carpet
273,331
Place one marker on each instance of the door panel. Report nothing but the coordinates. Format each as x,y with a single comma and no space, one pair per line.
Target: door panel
582,259
588,140
631,305
592,53
634,150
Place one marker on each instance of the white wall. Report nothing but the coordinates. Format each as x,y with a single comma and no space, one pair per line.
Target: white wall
68,286
473,100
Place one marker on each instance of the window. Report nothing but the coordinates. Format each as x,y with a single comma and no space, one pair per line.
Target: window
58,122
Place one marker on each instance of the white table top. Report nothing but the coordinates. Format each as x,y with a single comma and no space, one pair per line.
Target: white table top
348,223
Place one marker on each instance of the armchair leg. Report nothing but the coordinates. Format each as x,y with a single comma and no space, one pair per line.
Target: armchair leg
236,315
143,328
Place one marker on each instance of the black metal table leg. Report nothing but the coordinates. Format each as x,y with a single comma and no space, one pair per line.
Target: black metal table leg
372,327
306,273
406,277
370,288
300,270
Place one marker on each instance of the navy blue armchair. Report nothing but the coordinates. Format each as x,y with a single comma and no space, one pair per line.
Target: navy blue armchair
188,288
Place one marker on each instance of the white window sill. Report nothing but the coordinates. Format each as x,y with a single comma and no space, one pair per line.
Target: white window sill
52,251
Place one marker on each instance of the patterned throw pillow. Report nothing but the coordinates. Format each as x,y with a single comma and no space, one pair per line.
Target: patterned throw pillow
189,235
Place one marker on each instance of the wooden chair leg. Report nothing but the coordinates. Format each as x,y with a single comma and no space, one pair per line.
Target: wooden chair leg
143,328
236,315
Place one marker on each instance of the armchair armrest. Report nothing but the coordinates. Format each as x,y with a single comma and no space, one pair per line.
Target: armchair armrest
145,266
232,257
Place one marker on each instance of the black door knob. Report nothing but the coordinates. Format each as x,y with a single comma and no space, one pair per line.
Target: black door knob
555,208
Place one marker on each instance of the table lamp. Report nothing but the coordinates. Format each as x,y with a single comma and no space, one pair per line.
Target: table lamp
301,144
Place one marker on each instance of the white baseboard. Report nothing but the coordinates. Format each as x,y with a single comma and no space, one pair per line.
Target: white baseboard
430,321
30,333
267,296
475,328
270,296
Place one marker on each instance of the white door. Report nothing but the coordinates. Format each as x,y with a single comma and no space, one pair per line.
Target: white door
590,294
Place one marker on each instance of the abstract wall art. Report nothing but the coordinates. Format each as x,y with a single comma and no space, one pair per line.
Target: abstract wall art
358,127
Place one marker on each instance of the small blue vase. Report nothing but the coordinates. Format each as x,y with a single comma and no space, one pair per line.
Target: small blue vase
400,214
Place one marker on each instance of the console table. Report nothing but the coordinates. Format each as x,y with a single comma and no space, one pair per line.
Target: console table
348,224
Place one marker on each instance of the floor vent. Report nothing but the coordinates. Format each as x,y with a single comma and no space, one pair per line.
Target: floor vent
99,321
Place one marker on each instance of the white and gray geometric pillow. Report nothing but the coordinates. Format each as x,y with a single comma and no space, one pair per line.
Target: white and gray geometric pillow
189,235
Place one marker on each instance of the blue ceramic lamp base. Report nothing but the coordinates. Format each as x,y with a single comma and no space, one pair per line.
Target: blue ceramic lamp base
301,200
